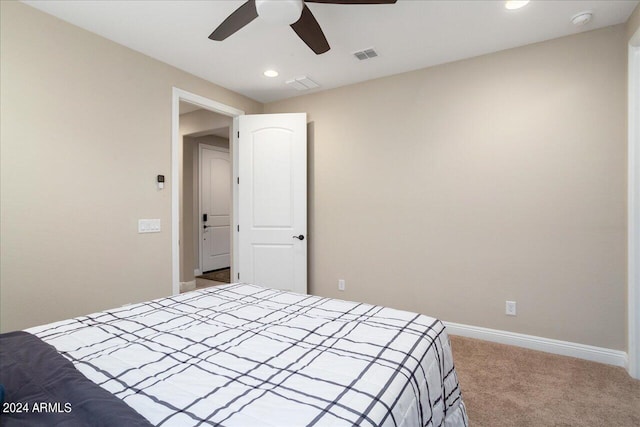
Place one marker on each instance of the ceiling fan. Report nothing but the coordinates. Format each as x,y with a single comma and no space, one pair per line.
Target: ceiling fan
288,12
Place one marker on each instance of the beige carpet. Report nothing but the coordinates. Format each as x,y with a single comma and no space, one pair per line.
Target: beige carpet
510,386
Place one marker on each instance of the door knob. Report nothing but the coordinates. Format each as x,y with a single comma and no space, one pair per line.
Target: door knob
300,237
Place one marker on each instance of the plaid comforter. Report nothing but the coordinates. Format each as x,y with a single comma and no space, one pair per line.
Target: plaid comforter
243,355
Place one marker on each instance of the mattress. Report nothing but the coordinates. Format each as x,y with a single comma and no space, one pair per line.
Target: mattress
243,355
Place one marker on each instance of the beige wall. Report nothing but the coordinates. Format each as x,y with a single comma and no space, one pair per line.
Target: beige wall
451,189
188,200
201,122
85,129
498,177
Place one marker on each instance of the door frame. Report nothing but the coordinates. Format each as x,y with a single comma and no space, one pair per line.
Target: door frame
201,147
633,201
178,95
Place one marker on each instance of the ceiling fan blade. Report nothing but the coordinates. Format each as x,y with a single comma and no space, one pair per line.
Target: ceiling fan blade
308,29
352,1
238,19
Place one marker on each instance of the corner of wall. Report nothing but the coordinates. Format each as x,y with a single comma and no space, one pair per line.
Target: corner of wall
633,23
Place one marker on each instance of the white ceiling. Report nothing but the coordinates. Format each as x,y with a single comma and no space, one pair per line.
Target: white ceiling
408,35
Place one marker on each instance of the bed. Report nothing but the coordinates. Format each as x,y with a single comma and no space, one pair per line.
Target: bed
243,355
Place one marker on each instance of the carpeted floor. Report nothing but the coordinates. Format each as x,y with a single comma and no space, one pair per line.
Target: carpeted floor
222,275
511,386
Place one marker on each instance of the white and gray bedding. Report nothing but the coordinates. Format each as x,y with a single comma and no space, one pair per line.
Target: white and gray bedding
42,388
243,355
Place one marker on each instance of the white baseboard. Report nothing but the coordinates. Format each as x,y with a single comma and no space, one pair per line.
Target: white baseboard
564,348
187,286
197,272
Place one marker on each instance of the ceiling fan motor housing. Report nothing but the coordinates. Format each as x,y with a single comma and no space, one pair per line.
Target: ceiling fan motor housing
283,12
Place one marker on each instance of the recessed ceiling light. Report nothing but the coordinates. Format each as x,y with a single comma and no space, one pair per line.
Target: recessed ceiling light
515,4
271,73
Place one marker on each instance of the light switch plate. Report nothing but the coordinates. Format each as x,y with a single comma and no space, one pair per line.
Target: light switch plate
149,226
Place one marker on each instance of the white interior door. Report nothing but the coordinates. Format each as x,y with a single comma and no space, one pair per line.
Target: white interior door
215,205
272,200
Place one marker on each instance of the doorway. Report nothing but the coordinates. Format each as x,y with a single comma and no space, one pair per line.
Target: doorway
280,140
205,211
196,120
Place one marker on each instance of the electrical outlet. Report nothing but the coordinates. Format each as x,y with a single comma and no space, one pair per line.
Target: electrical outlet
510,308
341,285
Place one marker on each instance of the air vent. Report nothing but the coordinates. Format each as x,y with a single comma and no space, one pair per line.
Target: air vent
302,83
365,54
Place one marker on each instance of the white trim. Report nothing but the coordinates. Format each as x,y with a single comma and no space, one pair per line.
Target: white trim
235,149
633,203
197,272
200,222
187,286
564,348
175,194
178,95
211,147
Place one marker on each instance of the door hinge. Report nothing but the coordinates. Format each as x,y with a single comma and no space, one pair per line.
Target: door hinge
238,134
238,180
238,228
238,276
